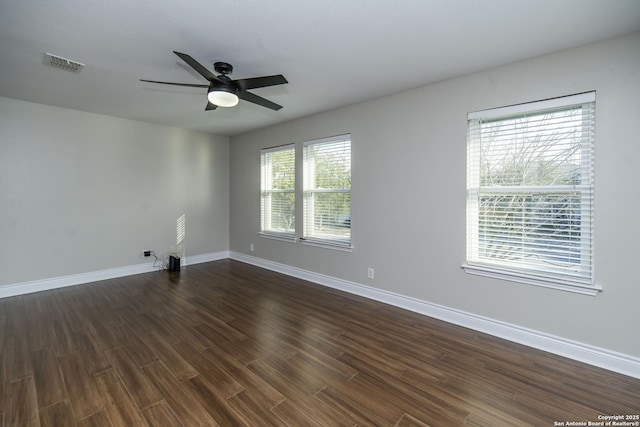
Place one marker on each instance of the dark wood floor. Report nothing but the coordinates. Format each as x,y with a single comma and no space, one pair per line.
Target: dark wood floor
229,344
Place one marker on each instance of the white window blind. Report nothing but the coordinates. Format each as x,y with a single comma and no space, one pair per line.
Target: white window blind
278,177
327,191
530,181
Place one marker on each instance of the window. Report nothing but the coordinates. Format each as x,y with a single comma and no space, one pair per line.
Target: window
327,191
278,178
530,193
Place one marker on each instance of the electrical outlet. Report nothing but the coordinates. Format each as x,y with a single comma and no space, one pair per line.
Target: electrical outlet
146,253
370,273
251,247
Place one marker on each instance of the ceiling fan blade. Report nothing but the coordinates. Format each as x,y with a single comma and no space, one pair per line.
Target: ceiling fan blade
210,106
256,82
175,84
197,66
248,96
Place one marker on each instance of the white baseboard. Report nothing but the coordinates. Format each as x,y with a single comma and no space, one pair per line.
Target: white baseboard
213,256
94,276
610,360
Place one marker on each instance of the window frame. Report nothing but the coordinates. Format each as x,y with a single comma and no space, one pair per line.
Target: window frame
309,236
266,194
583,279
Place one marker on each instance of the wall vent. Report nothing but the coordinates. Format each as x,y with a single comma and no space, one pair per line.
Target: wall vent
63,63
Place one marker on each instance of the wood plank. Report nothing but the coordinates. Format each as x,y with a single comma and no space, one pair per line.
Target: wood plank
186,333
327,370
74,316
99,419
138,350
136,321
254,411
48,305
83,394
57,415
39,334
222,344
118,404
423,404
362,402
92,350
17,358
207,367
2,382
16,318
409,421
106,337
307,406
161,415
63,338
342,403
249,381
215,404
3,324
178,397
100,311
138,385
152,322
49,384
481,400
22,404
177,364
292,415
372,361
220,328
297,379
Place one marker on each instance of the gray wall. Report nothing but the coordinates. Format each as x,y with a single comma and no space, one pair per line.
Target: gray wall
82,192
408,190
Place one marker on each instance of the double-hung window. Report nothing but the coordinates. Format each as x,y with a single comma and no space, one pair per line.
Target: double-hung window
530,181
327,191
278,197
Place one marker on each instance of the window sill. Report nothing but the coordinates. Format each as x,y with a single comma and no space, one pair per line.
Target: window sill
282,237
327,245
530,280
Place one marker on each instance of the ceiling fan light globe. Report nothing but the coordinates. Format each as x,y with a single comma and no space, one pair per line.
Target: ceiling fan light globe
222,98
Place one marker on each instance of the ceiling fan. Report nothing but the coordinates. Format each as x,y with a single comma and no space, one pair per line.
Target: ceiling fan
222,90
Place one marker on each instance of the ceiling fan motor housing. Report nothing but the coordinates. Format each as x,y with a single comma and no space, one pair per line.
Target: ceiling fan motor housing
223,68
224,83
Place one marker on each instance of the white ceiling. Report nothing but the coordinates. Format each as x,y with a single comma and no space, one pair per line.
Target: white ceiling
333,52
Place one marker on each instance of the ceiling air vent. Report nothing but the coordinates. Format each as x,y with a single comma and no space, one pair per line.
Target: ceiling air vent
63,63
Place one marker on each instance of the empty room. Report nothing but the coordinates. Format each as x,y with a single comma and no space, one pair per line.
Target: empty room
336,213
